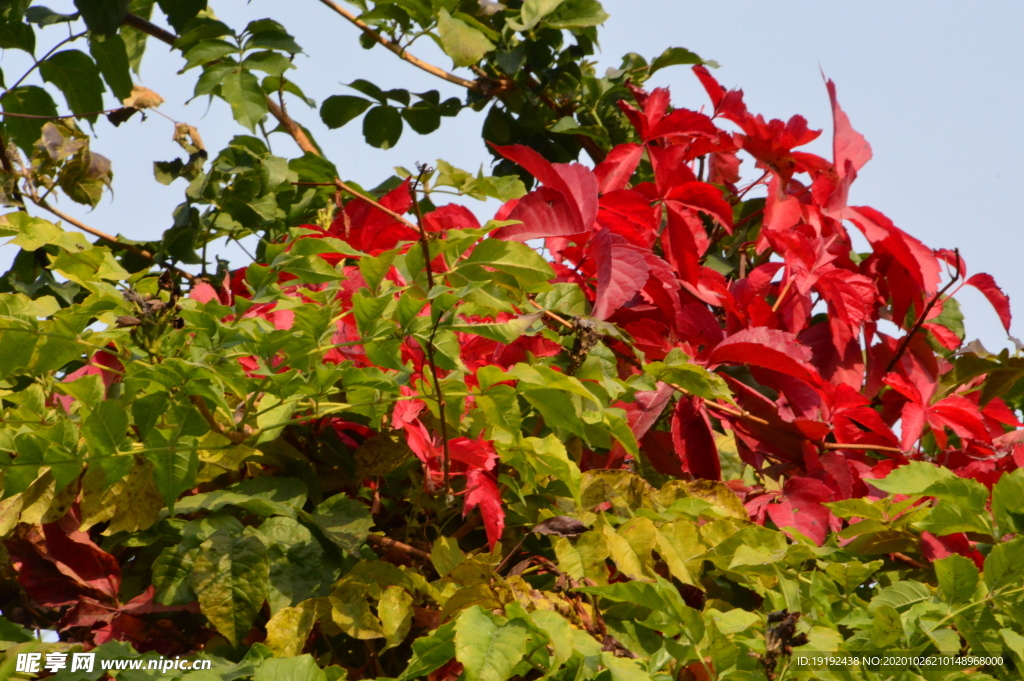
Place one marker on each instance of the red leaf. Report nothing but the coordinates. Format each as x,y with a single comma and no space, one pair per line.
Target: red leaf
769,348
848,145
999,300
452,216
56,564
203,292
703,197
371,230
680,246
800,507
694,440
482,491
936,548
622,270
542,213
614,171
574,181
476,454
631,216
641,414
683,122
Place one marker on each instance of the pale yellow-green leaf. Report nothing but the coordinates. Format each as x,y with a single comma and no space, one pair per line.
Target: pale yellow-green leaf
131,504
445,554
488,652
395,613
460,41
351,612
289,628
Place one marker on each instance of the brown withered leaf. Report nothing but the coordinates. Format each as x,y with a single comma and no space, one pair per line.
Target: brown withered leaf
561,526
143,98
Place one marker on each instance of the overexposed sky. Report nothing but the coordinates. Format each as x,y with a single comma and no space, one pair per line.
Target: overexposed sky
936,87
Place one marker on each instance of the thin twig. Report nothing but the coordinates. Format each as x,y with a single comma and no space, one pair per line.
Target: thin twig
864,448
384,209
385,543
905,341
8,114
70,38
398,50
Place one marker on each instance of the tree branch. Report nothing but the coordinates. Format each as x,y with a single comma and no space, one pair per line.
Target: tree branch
131,248
276,110
384,543
398,50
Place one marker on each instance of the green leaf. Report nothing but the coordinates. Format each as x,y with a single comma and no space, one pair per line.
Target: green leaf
18,36
694,379
175,463
27,99
76,76
269,34
513,258
263,496
242,91
344,521
1005,563
106,428
460,41
902,595
382,126
337,110
230,577
103,16
44,16
913,478
623,669
577,14
422,117
958,578
533,11
301,668
488,652
1008,502
673,56
430,652
504,332
111,57
272,63
180,12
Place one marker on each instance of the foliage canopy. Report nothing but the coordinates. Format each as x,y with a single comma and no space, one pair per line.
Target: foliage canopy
645,424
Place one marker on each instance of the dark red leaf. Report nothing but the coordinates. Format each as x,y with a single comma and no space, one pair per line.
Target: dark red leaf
694,440
622,270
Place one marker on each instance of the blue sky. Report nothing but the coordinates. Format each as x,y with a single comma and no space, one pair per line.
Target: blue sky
934,86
